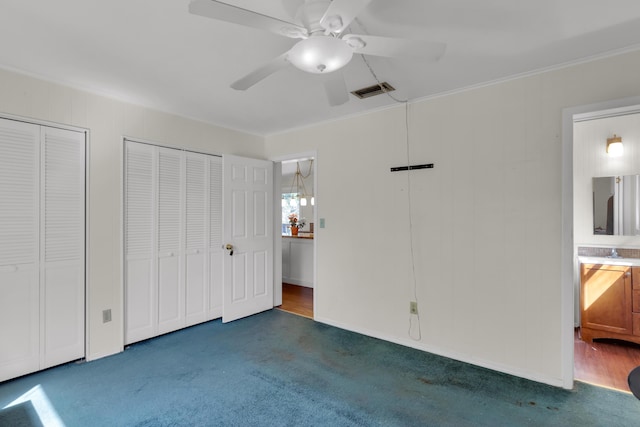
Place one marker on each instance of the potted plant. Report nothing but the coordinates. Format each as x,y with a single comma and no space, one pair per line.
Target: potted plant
295,224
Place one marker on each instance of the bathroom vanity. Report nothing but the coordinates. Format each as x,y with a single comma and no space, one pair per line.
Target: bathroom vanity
610,298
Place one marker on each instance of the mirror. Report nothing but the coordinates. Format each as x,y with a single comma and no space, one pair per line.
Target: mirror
616,205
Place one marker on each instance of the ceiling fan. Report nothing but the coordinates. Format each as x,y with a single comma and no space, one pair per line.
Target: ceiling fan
324,48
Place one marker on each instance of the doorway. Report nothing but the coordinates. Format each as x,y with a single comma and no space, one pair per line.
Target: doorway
604,361
297,203
297,300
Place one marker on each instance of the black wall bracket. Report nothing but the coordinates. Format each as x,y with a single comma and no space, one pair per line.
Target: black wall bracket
412,167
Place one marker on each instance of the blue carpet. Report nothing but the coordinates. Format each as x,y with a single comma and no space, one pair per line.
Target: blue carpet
283,370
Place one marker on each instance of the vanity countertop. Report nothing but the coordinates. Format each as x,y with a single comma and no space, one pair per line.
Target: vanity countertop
632,262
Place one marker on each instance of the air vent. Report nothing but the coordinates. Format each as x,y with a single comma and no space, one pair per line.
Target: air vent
374,90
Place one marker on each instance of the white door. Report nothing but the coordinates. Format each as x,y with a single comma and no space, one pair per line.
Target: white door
216,253
62,245
248,231
19,219
141,300
170,234
196,284
42,247
173,239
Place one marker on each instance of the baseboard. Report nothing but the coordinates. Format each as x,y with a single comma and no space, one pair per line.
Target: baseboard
461,357
214,313
97,356
291,281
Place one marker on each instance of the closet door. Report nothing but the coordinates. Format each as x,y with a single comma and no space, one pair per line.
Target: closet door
62,245
141,296
173,239
19,248
196,239
216,253
171,305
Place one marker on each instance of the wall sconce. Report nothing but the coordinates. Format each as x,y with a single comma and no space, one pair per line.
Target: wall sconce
614,146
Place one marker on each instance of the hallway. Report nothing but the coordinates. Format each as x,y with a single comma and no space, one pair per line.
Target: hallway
297,300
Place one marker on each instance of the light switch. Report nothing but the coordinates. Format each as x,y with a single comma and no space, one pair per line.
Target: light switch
321,222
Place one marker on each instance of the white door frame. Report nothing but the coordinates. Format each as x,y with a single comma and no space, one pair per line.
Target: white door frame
277,245
568,273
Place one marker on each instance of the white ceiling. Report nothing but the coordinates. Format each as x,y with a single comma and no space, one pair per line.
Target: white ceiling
155,53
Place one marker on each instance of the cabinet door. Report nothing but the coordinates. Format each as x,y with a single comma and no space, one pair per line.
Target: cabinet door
170,224
19,248
195,239
606,298
141,298
62,245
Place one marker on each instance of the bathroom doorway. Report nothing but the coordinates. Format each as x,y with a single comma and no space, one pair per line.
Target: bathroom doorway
602,361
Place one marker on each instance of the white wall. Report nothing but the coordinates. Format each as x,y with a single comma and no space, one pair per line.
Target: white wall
487,218
591,160
108,121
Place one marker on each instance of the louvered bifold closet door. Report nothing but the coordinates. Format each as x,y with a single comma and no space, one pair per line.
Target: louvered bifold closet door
171,293
141,299
216,253
62,245
196,242
19,248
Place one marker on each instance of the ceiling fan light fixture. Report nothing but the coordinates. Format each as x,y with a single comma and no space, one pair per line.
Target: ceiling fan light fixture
320,54
355,42
333,24
293,32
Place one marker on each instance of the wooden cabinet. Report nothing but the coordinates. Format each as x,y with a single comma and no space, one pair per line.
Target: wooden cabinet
610,302
635,300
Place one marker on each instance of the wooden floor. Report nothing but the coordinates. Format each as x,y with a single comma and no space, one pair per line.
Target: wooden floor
605,363
297,300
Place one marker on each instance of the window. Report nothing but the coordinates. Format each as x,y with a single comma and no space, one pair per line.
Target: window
290,204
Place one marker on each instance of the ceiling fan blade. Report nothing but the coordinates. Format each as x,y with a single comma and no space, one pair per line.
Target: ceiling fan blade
336,88
261,73
340,14
391,47
225,12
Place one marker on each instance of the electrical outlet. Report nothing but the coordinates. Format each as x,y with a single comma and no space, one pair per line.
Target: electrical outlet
106,315
413,307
